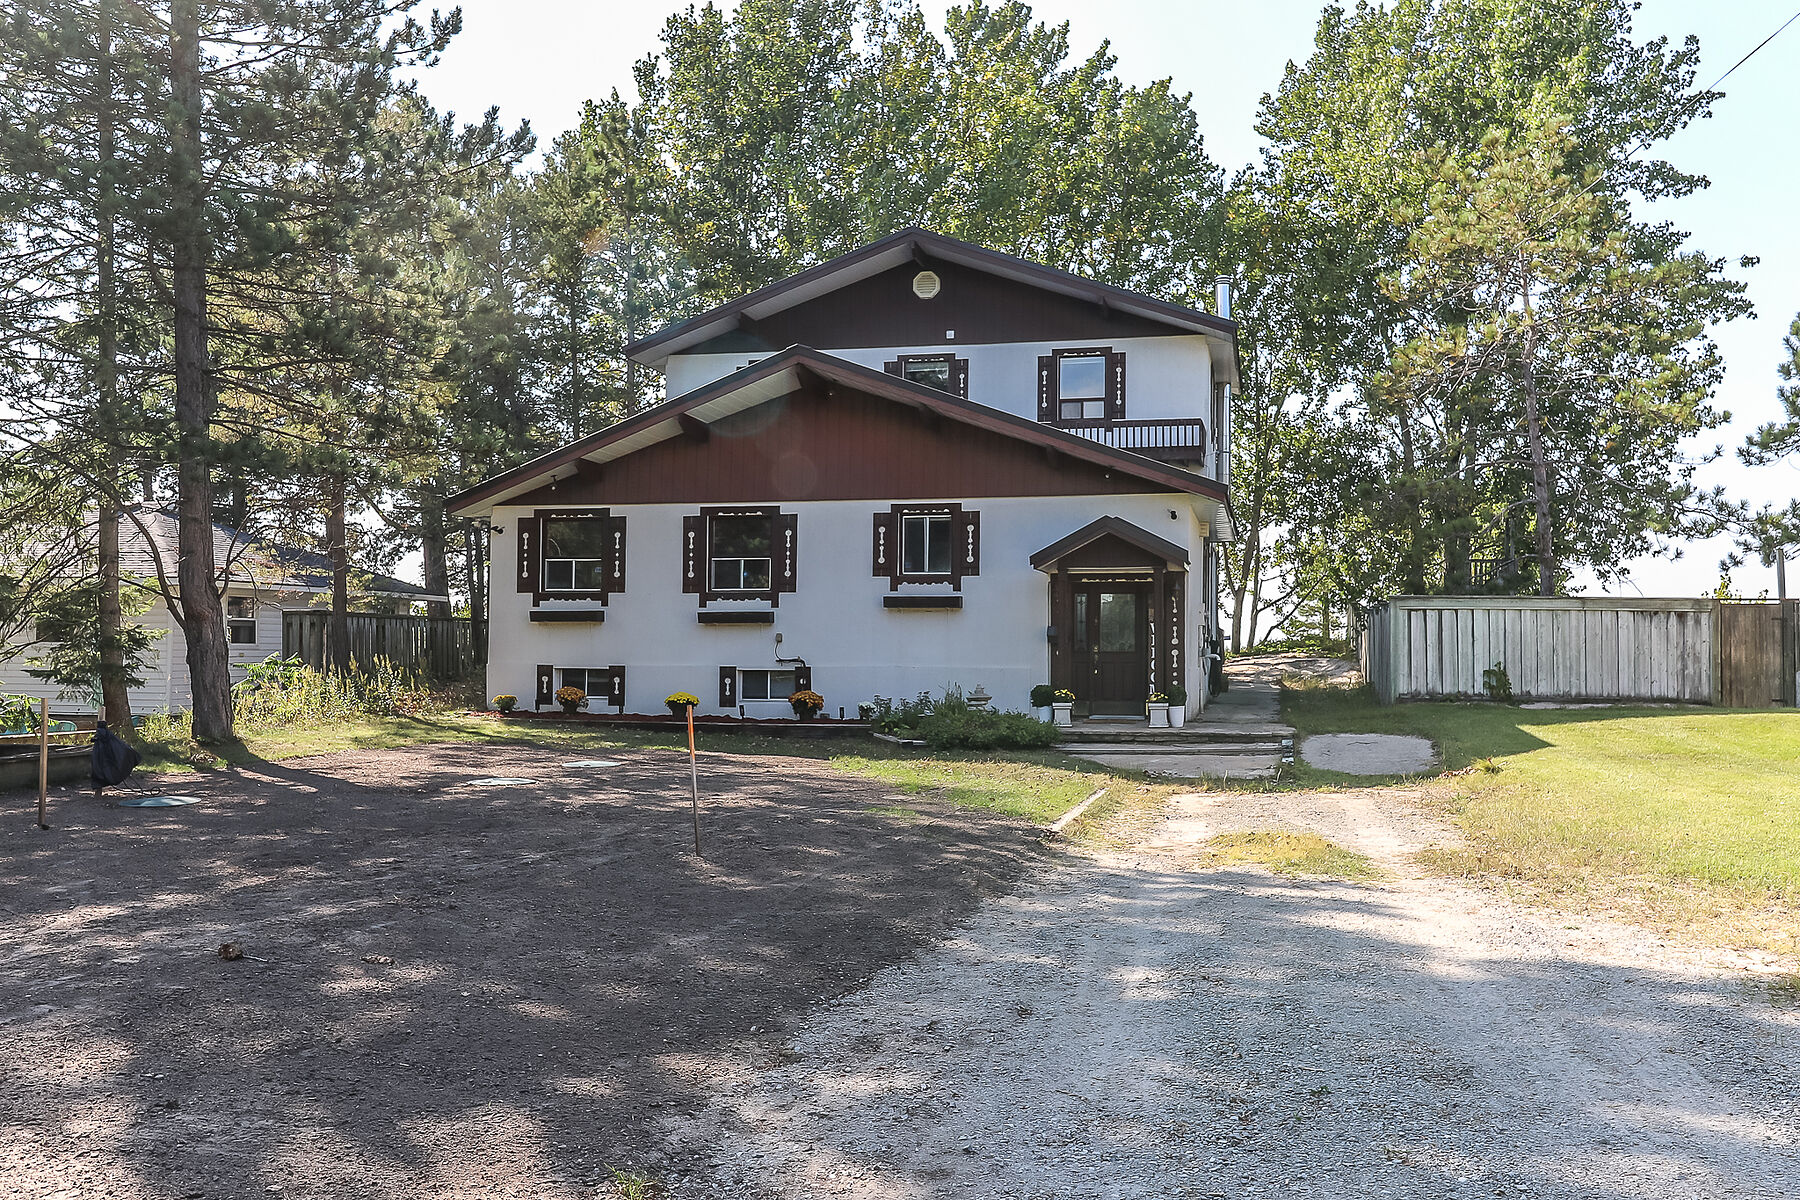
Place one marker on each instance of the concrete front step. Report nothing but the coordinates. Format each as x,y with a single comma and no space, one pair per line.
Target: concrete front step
1164,749
1213,733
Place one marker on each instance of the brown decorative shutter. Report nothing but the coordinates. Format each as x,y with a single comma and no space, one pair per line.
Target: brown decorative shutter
546,686
884,553
693,554
892,368
966,560
1115,385
728,694
527,579
803,678
786,528
615,554
1046,392
615,686
959,371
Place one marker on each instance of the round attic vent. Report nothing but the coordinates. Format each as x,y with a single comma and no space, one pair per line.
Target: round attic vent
926,284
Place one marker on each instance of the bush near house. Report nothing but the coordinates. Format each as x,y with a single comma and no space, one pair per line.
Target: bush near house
952,723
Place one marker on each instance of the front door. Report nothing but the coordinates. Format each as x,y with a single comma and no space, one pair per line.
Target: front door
1112,662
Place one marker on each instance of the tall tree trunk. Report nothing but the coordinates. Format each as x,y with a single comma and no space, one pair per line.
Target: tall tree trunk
1540,465
434,552
337,546
202,615
115,698
1415,550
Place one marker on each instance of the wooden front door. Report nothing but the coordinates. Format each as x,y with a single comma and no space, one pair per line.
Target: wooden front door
1112,648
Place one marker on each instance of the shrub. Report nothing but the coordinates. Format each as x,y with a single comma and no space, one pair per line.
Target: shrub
949,723
571,698
506,703
1178,695
981,729
806,703
283,692
1497,683
1043,696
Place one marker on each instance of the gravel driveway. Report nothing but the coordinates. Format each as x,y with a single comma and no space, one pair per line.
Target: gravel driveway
1136,1026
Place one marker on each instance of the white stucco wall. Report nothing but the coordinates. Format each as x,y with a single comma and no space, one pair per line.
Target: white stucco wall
1165,377
855,648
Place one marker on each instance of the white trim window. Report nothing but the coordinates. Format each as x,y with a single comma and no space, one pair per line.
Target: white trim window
925,543
740,553
574,554
240,620
766,685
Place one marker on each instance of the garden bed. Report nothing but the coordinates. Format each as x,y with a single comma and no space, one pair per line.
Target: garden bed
818,727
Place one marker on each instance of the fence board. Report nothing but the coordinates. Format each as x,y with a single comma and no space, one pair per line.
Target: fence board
1583,648
440,648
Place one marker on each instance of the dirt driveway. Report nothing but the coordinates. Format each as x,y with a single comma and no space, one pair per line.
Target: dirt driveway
1140,1025
449,990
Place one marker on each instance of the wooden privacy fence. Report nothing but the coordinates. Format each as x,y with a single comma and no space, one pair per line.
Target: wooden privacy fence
436,647
1741,655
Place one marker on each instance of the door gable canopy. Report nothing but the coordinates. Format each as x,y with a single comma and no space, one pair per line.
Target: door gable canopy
1110,542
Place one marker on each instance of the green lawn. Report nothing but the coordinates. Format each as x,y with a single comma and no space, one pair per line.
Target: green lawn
1694,811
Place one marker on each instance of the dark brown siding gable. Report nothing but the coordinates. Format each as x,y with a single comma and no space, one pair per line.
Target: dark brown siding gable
980,307
837,444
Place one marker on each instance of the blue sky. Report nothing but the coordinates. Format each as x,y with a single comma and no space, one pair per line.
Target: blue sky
539,59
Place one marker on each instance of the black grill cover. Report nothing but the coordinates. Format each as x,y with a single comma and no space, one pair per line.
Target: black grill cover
113,758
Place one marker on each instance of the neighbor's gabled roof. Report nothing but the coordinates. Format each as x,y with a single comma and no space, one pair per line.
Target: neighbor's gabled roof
148,540
921,246
784,373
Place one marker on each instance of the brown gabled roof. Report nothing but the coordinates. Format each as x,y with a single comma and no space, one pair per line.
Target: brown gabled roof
783,373
1117,527
920,245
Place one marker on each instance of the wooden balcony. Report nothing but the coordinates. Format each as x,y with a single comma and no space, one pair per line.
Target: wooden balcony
1172,441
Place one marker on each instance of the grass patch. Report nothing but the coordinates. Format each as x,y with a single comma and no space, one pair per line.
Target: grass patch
1688,817
1032,790
1291,854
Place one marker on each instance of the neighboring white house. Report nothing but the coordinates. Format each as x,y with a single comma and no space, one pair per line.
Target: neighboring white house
962,469
264,581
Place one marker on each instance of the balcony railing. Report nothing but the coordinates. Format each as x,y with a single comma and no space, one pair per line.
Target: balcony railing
1175,441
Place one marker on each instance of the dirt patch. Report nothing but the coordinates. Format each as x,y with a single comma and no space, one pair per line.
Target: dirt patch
446,990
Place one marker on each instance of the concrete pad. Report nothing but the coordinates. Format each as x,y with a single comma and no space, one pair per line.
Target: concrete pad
1193,766
1369,753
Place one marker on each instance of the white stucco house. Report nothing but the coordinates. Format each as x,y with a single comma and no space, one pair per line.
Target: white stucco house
919,465
262,580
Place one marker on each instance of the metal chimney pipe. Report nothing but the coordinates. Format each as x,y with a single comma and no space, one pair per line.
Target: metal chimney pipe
1222,296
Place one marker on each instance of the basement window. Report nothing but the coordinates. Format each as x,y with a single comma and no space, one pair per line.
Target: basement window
766,685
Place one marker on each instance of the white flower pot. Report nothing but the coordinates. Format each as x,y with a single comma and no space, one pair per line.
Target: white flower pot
1065,713
1046,713
1177,715
1159,716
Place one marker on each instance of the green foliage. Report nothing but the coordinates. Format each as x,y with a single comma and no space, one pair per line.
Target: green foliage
1306,643
75,658
950,722
1177,694
18,714
1043,696
1497,683
285,692
506,704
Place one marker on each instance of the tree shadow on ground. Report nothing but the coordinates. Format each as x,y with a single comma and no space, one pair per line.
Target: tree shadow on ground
448,989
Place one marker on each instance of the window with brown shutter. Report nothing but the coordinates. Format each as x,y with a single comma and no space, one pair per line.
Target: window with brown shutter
1082,385
580,554
945,372
926,544
741,553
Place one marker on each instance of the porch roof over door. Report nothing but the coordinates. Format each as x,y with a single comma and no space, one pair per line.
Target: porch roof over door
1155,550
